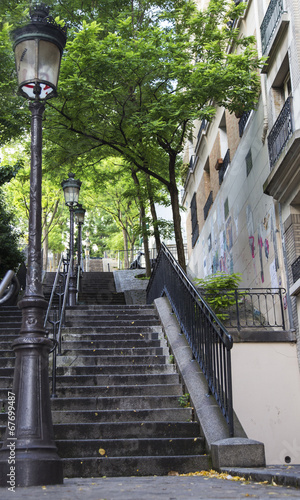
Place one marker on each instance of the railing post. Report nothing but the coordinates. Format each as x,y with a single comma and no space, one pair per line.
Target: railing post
237,309
282,309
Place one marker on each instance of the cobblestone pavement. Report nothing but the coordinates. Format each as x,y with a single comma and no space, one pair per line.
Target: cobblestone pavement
153,488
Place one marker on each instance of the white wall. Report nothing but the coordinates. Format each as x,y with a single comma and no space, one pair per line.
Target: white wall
266,397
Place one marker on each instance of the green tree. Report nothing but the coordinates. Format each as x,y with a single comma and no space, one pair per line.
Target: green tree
134,77
10,254
135,85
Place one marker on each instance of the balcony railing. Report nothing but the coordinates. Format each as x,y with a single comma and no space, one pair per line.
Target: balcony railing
252,308
281,132
243,121
207,205
296,270
270,22
222,170
202,128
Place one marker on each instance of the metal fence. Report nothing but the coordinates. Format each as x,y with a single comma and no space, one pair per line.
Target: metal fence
251,308
209,341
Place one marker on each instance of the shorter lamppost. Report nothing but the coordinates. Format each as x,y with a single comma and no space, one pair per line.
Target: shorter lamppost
79,219
71,188
29,454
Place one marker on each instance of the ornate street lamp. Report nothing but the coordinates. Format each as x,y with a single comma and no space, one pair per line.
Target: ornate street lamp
79,219
29,454
71,188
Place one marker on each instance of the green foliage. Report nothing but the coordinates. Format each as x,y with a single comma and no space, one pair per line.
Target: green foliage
218,290
184,400
10,254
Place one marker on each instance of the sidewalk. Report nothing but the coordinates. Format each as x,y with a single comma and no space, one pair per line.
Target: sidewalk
198,487
287,475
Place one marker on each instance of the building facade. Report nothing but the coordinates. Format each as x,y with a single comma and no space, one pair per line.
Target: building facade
242,200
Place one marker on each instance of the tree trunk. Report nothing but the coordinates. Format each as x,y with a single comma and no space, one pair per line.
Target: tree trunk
143,223
176,214
45,245
125,239
153,214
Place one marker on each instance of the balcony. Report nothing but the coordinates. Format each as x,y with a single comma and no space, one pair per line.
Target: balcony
272,28
223,166
296,270
207,205
281,132
243,122
284,155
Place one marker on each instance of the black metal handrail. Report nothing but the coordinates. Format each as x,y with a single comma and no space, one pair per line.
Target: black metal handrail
281,132
251,308
57,316
270,22
209,341
296,269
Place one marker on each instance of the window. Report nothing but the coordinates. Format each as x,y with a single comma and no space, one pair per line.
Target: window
195,226
249,163
226,208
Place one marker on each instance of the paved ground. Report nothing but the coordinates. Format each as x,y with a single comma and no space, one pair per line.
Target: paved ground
153,488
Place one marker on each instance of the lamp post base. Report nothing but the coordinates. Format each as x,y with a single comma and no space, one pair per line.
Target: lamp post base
39,470
29,454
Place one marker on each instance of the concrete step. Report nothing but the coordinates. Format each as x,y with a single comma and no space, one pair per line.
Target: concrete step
138,416
91,359
122,351
7,362
132,369
115,390
125,309
117,336
110,344
117,402
134,466
86,330
113,322
130,447
109,379
118,430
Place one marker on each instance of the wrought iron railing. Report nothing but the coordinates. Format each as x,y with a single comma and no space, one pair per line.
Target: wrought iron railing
281,132
270,22
55,315
224,166
296,269
209,341
251,308
243,121
207,205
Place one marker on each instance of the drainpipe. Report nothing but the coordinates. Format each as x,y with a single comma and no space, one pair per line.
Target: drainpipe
288,297
262,77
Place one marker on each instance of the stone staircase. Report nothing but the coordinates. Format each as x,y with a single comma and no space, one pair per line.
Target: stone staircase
117,410
99,288
118,406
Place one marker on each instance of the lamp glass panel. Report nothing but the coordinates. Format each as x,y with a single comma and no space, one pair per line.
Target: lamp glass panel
49,62
71,195
25,56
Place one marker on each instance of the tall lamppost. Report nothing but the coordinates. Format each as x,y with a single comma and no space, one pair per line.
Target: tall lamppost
29,454
79,219
71,188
